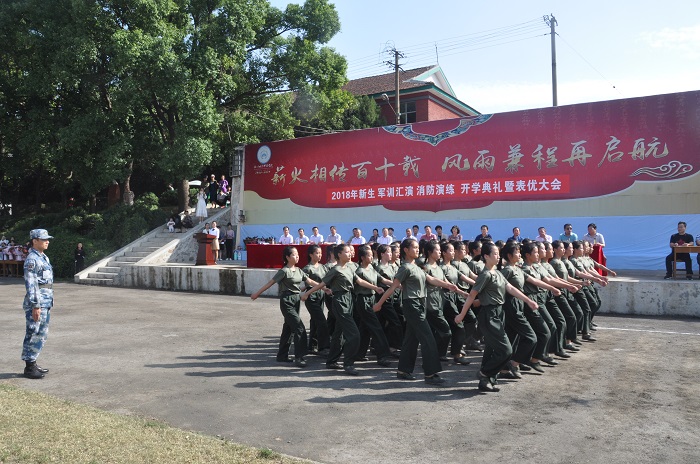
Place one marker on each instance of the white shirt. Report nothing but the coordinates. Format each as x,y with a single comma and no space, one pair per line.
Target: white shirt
385,240
214,231
597,238
334,239
358,240
286,240
302,240
418,236
547,238
316,239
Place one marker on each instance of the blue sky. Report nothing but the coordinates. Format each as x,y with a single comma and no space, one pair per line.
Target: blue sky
496,55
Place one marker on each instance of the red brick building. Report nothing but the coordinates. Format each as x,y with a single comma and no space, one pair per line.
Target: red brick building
425,95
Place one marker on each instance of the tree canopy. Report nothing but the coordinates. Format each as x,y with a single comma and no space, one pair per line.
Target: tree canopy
91,91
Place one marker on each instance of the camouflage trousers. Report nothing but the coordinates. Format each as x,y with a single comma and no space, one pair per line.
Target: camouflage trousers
36,334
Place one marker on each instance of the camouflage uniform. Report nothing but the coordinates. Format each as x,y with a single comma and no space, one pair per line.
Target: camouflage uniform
38,279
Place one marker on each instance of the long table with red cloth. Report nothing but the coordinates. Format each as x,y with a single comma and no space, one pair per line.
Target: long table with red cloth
270,256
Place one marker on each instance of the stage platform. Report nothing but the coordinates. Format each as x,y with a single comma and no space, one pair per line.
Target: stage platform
631,292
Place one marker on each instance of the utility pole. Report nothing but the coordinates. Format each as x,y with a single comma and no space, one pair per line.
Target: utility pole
396,86
552,22
397,67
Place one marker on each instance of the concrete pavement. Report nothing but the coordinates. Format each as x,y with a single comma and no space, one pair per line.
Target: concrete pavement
206,362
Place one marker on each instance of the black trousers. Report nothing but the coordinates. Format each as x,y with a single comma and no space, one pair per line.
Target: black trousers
318,328
450,310
541,329
392,322
370,327
568,313
293,328
346,336
497,349
418,332
522,338
556,343
682,258
585,324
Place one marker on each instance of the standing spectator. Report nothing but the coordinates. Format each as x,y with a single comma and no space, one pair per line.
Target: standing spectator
391,234
38,301
229,239
215,247
409,235
79,254
682,238
223,185
416,232
213,190
286,238
542,235
201,211
569,235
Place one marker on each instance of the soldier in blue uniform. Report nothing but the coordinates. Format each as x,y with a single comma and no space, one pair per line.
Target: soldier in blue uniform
38,279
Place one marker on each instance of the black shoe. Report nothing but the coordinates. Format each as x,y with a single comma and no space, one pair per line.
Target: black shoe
571,347
32,372
323,353
666,277
509,375
593,324
285,360
444,358
550,360
362,358
588,338
385,362
563,354
333,366
576,342
395,354
434,380
462,360
537,367
593,329
42,370
350,370
405,376
485,386
300,362
524,367
689,277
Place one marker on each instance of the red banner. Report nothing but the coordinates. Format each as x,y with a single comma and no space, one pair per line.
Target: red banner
568,152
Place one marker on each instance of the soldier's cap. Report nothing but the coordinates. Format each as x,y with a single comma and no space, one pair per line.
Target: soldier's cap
41,234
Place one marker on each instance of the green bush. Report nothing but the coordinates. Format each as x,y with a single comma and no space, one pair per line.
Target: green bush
101,233
148,200
168,198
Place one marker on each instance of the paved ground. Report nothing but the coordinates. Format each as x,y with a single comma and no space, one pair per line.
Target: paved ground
206,363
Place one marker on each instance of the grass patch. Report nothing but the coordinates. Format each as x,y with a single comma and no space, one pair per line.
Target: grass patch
37,428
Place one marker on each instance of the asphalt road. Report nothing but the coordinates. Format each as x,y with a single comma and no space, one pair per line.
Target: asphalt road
207,363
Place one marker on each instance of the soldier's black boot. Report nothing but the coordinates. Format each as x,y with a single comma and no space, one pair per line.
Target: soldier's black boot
32,371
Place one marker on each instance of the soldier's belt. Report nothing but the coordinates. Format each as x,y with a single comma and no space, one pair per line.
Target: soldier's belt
49,286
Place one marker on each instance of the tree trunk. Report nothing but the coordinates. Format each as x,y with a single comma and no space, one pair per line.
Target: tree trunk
128,194
183,195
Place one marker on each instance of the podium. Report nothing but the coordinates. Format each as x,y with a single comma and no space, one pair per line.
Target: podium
204,255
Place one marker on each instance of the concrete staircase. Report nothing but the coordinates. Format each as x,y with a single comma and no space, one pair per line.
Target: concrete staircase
108,270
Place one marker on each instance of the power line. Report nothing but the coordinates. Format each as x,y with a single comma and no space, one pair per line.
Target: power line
589,64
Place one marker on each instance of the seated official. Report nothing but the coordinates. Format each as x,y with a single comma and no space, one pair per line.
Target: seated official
682,238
